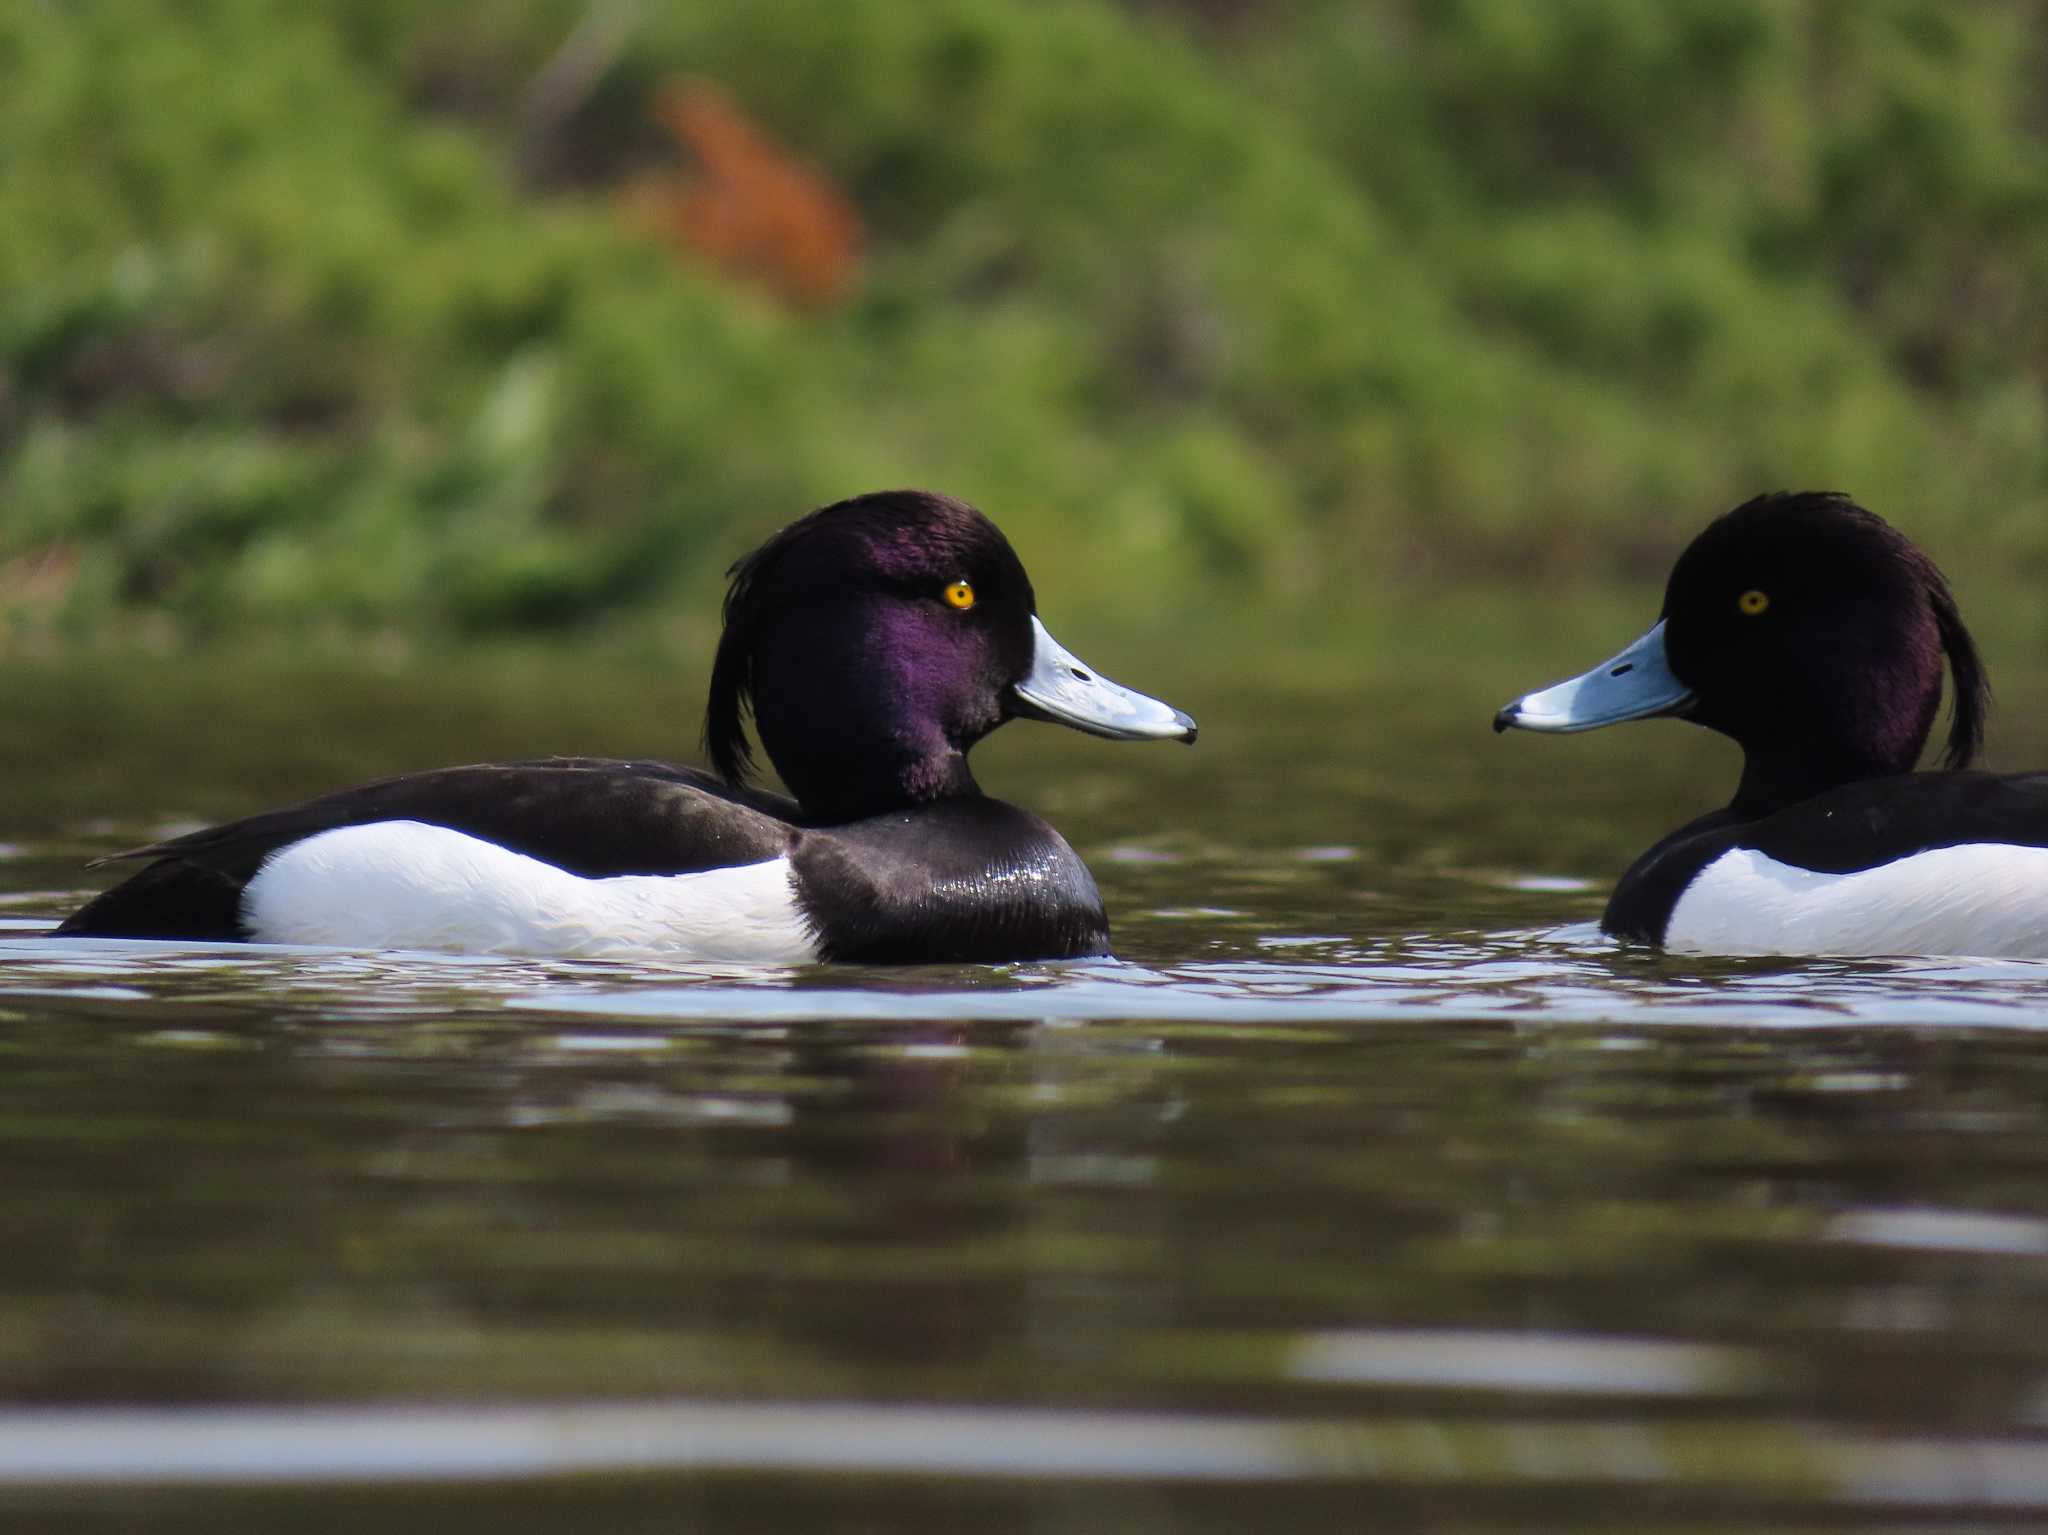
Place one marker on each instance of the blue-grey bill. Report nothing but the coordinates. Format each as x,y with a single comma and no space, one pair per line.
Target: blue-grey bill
1635,685
1061,689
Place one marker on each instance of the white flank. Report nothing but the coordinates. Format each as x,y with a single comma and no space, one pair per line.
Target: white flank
405,885
1984,898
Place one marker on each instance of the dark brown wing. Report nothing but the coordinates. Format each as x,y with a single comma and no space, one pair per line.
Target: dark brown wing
590,816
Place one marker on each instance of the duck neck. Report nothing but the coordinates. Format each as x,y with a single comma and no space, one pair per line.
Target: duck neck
858,776
1773,779
1817,739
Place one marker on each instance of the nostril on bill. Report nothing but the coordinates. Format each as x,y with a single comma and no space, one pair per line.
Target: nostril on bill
1079,675
1626,666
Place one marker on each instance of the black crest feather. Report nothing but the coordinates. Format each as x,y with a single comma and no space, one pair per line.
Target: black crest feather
1970,700
731,697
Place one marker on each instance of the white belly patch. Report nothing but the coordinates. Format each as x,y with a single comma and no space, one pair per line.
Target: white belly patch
407,885
1983,898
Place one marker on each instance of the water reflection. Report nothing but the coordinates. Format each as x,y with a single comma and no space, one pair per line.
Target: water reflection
1530,1362
1799,1464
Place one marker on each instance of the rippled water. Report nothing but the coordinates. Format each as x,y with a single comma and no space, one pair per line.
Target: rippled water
1369,1189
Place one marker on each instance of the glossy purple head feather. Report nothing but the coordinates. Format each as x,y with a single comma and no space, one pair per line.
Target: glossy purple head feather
1838,674
864,686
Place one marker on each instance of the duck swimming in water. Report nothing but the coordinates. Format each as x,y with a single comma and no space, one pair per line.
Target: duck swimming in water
1814,635
874,642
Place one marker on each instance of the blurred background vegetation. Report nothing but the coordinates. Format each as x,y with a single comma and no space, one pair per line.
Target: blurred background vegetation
371,317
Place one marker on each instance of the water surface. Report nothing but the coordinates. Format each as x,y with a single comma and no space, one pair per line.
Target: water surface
1368,1186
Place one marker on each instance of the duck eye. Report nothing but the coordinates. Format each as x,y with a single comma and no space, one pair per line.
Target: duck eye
1753,602
961,595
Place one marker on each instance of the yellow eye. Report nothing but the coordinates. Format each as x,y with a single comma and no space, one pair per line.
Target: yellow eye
960,595
1753,602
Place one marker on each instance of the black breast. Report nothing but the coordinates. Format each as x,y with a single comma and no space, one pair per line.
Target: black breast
968,880
1640,908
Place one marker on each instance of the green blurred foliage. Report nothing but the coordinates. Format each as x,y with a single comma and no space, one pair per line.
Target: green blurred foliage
327,317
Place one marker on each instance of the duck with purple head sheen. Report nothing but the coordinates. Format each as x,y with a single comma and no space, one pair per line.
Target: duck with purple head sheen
874,642
1814,635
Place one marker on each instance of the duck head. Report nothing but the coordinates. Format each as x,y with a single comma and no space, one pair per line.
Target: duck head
1806,629
876,640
